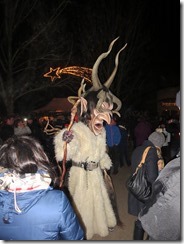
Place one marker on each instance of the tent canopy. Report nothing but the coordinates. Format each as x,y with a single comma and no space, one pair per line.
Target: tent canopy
56,105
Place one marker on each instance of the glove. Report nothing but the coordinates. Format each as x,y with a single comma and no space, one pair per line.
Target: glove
68,136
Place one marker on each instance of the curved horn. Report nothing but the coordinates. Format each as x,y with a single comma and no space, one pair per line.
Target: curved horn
110,80
117,101
95,79
81,88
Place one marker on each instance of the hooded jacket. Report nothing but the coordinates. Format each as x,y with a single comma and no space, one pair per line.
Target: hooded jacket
44,214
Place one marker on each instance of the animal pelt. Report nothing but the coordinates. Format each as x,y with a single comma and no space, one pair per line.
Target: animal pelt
112,195
87,188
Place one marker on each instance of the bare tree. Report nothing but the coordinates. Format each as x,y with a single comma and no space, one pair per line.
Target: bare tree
39,34
32,39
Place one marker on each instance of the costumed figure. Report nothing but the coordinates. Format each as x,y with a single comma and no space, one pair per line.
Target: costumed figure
84,144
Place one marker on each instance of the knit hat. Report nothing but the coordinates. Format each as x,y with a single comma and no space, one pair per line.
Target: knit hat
157,139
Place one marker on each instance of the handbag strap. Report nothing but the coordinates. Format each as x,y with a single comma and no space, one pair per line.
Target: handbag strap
143,159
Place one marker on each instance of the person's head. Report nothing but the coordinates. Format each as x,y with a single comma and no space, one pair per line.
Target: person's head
9,120
19,122
157,138
24,154
29,121
92,116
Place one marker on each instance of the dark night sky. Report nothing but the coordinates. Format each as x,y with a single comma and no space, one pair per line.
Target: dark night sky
159,26
151,29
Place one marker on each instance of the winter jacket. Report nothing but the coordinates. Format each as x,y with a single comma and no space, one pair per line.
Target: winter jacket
19,131
113,135
134,205
45,215
6,131
160,217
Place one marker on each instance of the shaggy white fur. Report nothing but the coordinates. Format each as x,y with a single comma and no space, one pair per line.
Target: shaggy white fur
87,187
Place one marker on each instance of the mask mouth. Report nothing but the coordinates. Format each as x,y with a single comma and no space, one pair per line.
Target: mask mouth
98,127
97,122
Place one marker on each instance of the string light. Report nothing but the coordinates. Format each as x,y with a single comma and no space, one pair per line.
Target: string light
82,72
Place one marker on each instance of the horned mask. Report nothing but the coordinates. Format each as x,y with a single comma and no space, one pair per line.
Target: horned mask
104,93
105,99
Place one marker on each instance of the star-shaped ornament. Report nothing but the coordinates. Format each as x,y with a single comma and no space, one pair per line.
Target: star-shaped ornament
53,74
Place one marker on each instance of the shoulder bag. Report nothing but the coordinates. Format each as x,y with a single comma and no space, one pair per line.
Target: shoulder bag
137,183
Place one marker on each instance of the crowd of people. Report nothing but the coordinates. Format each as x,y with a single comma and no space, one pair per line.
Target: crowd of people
34,203
119,147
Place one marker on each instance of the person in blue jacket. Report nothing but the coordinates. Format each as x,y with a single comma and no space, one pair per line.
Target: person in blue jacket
31,208
113,138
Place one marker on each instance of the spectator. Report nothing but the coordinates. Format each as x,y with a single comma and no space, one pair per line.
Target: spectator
113,136
160,216
173,127
156,141
35,127
31,209
123,146
7,129
38,134
142,130
166,146
21,128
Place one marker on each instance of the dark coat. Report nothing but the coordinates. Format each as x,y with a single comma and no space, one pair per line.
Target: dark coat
134,205
141,132
160,217
6,132
46,215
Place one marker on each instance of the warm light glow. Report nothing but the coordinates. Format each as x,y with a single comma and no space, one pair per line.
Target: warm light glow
168,104
82,72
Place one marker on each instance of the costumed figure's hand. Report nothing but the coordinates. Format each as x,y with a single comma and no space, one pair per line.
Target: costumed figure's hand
105,162
67,136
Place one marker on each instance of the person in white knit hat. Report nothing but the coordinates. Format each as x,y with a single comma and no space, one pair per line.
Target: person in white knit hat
157,139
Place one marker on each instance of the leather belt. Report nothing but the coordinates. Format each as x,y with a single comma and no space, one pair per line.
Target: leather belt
86,165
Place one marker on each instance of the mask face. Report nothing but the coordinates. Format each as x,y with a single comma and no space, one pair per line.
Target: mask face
99,117
101,100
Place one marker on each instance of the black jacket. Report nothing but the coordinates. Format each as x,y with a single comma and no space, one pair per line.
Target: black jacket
6,132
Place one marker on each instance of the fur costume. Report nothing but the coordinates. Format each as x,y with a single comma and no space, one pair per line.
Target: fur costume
85,146
87,187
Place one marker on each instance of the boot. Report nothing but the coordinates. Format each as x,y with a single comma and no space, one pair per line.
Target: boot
138,231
